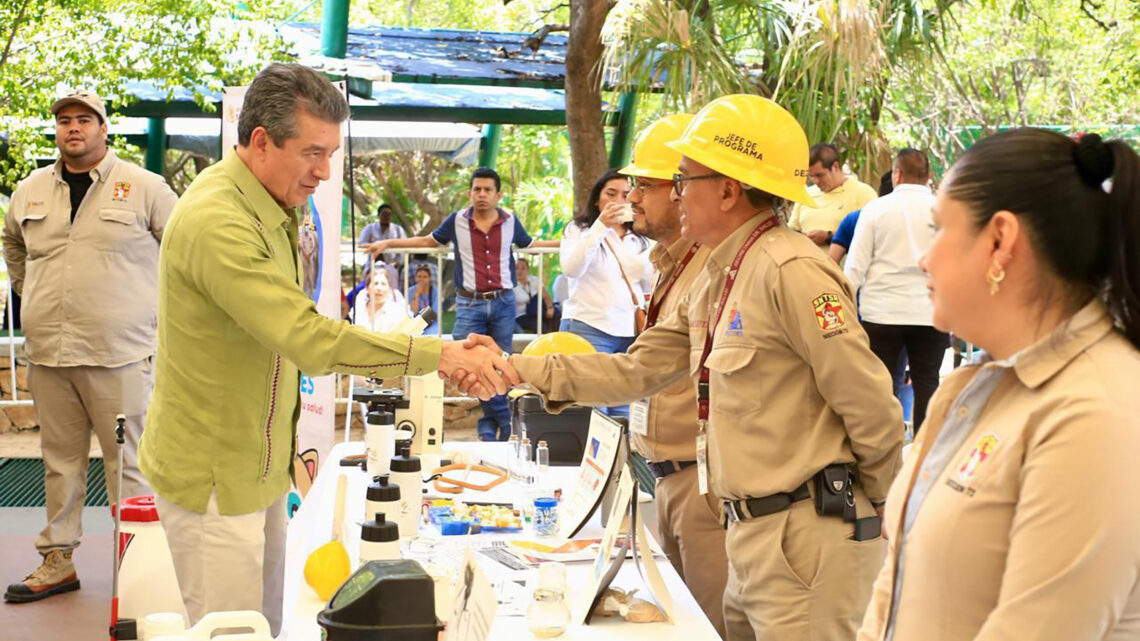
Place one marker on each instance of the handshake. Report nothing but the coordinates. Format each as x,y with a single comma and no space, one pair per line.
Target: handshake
477,367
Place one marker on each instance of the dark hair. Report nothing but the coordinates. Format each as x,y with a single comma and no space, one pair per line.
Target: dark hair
885,184
913,164
590,213
823,153
275,95
382,207
1089,238
485,172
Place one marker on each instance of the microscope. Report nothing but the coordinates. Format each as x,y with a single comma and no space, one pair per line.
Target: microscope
417,404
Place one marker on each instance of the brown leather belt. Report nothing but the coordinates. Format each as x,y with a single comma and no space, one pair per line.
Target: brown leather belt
491,295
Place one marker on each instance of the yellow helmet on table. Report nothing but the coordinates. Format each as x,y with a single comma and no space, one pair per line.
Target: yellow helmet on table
651,157
753,140
558,343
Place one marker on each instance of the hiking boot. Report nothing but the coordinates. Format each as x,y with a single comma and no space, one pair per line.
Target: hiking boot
55,576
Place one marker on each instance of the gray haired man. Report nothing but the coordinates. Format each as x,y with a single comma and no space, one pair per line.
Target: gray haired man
236,332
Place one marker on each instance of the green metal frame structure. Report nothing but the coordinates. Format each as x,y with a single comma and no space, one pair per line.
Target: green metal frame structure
334,31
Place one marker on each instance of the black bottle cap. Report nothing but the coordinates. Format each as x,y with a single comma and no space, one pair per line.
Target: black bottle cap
382,490
405,462
379,531
381,418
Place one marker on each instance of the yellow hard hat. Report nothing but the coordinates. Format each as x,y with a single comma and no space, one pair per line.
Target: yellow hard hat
558,343
753,140
651,158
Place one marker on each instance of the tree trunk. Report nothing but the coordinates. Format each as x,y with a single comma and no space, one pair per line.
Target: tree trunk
584,96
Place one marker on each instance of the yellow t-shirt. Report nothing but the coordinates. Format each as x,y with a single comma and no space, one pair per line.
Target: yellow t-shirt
831,206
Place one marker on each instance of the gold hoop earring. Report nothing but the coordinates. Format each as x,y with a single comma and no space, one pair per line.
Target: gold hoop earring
995,279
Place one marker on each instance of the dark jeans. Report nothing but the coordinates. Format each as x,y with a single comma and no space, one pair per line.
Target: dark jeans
494,318
605,344
925,349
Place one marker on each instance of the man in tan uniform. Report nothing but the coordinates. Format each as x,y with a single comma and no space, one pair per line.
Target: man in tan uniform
833,196
81,243
787,385
663,429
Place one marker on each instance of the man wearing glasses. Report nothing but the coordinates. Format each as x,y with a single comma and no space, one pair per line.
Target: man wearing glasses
798,436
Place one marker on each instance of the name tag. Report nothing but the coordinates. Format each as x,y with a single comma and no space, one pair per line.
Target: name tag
639,417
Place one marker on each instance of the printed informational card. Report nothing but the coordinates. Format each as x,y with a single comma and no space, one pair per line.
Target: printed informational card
606,564
598,460
475,604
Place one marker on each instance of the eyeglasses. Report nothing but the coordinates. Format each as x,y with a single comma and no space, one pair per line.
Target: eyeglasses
679,180
643,185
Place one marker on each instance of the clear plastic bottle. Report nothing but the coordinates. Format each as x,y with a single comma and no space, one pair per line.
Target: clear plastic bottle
548,616
513,463
526,469
542,463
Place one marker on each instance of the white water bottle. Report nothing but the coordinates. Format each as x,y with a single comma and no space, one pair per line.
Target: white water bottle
379,441
381,496
406,473
379,540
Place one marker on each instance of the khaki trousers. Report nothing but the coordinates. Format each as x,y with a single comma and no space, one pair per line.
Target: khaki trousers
228,563
693,539
797,576
71,403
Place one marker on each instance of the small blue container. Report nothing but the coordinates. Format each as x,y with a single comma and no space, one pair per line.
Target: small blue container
546,516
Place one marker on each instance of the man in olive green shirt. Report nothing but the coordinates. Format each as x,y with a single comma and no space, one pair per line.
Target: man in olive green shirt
235,331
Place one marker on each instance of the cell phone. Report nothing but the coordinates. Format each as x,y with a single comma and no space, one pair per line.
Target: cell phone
868,528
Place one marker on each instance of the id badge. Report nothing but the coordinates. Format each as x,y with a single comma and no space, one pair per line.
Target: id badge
639,417
702,462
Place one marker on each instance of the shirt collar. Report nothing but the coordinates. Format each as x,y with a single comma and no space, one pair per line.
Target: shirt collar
665,258
722,257
919,189
503,215
1039,362
267,210
99,172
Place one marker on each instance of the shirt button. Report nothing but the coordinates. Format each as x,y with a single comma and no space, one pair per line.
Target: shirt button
963,411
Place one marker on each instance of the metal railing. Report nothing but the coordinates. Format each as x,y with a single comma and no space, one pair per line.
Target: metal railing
12,340
441,254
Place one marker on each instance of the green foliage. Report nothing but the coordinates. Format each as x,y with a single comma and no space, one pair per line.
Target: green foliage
1019,62
48,46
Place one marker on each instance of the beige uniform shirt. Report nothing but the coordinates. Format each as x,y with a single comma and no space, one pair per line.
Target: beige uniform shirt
671,433
1032,531
794,385
831,206
89,288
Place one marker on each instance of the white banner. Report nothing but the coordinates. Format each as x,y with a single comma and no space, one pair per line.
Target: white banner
320,262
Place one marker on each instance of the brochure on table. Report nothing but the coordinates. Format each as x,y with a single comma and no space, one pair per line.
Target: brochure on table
598,460
475,604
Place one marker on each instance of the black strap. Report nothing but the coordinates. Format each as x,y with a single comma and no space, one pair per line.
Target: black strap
661,469
754,508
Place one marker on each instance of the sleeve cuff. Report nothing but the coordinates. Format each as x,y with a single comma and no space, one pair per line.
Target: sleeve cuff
423,355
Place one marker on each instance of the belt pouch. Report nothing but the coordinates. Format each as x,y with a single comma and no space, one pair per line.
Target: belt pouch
833,493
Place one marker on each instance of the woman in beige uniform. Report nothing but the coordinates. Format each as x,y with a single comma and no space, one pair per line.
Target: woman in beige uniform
1016,516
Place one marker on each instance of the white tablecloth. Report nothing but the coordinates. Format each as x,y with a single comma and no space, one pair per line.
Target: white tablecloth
311,526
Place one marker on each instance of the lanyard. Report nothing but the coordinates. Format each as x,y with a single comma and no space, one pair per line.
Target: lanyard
655,304
714,318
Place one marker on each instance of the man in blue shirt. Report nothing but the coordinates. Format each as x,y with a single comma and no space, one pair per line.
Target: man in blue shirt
481,236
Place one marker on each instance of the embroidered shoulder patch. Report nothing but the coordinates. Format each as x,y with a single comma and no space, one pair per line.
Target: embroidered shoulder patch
829,314
982,452
121,191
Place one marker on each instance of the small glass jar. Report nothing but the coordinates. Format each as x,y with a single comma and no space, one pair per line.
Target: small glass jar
546,516
548,616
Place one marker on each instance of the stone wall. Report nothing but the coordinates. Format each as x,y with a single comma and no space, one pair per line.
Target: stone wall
16,418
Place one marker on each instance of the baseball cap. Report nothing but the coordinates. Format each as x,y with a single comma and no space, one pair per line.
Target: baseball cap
83,97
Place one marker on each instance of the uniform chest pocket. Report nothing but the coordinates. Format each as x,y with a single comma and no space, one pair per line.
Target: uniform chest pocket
117,227
34,228
733,390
